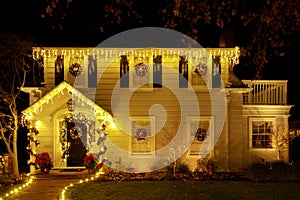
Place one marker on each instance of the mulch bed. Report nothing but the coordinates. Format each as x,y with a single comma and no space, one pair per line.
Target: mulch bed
162,176
11,179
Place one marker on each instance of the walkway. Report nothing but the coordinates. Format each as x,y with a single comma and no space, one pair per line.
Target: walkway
49,186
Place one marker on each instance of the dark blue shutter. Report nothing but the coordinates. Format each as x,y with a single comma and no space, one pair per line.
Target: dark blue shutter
124,72
59,69
183,72
157,71
216,72
92,72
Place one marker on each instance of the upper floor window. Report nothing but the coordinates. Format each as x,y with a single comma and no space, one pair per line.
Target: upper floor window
82,71
141,73
77,72
261,131
200,72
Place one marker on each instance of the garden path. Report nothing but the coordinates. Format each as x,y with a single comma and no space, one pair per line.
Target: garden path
49,186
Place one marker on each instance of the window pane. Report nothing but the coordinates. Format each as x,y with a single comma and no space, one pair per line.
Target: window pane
261,131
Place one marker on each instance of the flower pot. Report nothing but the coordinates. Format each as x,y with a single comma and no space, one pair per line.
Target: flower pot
46,170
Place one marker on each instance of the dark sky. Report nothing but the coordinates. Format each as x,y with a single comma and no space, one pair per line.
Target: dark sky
82,29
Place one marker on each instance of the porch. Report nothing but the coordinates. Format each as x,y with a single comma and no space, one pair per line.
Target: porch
266,92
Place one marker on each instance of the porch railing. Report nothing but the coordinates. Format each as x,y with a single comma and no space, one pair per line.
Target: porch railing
266,92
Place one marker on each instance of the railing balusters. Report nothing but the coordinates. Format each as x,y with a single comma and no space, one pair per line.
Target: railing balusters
266,92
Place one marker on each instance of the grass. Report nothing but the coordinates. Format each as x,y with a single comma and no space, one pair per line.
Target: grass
183,190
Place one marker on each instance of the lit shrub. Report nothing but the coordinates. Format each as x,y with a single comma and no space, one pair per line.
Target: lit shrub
206,166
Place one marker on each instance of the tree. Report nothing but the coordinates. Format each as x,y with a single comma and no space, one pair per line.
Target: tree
280,140
15,62
262,28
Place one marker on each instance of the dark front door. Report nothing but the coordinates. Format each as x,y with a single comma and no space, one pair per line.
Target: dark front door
76,140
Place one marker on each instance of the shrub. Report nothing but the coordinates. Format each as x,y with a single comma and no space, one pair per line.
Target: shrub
280,171
183,168
258,172
294,173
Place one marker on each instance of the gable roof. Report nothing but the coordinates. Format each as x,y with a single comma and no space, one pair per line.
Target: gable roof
58,97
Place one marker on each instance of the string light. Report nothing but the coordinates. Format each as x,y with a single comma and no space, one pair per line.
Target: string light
113,53
17,189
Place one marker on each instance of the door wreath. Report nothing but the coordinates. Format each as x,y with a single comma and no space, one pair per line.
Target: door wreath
76,132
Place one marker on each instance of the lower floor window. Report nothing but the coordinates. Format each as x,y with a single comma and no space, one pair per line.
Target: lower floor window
261,133
142,136
200,132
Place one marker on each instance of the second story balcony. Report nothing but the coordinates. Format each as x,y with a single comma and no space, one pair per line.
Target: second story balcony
266,92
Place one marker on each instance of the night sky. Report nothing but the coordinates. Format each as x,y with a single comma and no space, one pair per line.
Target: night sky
82,29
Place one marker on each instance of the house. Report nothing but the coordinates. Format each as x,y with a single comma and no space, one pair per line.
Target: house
142,109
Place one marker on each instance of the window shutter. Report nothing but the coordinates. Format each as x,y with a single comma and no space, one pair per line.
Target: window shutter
59,69
92,72
216,72
183,72
157,71
124,72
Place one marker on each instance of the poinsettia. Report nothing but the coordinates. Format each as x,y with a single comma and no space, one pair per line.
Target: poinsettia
43,161
90,161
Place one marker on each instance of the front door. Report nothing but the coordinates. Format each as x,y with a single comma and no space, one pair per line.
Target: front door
77,144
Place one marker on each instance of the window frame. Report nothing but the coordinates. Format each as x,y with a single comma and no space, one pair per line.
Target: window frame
83,74
132,138
133,61
207,78
262,120
209,139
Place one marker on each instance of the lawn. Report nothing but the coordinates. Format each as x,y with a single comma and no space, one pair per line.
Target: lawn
179,190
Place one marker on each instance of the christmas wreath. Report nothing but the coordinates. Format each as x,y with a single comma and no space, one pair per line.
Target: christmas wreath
140,134
201,134
75,69
141,69
76,132
201,69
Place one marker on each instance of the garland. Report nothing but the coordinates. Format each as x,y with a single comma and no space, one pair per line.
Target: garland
201,69
141,69
32,139
140,134
201,134
75,132
75,69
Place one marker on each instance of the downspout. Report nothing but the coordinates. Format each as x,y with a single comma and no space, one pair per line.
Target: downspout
227,130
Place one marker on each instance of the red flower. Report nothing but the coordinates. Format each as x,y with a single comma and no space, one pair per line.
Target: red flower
99,165
90,161
43,160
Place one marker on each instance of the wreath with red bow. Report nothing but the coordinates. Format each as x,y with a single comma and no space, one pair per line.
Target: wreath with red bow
140,134
141,69
201,134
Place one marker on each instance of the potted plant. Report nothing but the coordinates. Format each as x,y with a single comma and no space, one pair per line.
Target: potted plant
90,161
43,162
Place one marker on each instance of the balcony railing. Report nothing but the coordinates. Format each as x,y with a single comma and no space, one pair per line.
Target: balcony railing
266,92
